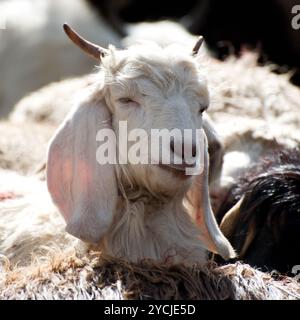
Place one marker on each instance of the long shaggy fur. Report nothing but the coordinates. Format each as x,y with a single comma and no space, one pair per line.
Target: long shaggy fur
69,276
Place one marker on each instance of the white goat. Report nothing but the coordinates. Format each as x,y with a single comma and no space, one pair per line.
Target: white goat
32,51
135,211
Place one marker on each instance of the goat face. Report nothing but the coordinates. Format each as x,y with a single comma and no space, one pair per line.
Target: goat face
149,88
154,88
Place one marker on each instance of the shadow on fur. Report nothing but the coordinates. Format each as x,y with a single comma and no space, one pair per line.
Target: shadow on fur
102,277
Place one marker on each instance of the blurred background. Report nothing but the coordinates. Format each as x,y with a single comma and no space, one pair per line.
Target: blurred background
251,59
34,51
228,26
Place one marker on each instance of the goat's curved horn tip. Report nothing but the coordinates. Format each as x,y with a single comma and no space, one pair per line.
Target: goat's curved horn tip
90,48
198,45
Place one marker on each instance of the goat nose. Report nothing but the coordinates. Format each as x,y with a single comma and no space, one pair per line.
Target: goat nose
192,149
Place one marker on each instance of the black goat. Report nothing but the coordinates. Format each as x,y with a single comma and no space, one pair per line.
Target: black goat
263,224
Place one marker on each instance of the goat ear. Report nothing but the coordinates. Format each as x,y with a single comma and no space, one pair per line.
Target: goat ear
84,191
200,209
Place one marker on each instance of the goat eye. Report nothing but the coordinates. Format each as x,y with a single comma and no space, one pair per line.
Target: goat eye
126,100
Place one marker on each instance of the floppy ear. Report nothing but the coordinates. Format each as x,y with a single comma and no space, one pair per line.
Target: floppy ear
200,209
216,150
84,191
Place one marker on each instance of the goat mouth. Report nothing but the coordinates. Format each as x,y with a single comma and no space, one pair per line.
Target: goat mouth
178,169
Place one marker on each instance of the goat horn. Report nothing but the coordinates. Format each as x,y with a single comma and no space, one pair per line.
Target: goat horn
198,45
230,219
90,48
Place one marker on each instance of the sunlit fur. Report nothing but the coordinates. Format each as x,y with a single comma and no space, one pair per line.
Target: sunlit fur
135,211
169,90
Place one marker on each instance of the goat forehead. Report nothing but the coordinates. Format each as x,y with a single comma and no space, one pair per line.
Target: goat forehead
151,77
166,67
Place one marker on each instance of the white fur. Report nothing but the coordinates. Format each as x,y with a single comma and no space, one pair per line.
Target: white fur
135,211
30,226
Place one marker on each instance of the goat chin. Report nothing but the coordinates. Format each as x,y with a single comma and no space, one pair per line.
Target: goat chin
161,182
145,228
148,222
